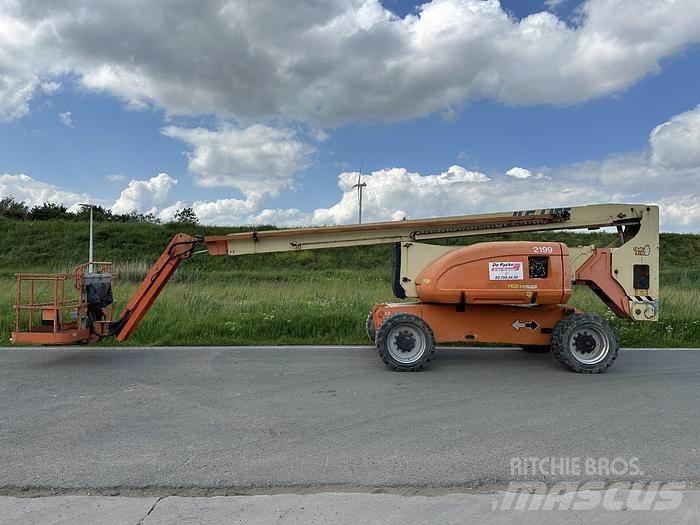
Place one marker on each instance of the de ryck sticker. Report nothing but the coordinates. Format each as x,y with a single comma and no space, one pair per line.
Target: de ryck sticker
505,271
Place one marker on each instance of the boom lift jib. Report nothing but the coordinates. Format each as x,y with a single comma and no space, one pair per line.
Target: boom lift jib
508,292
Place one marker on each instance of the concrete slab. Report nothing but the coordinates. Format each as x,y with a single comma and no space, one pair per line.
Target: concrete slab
74,510
344,508
354,508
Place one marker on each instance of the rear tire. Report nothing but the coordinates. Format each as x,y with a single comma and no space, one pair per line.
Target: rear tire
585,343
405,342
369,325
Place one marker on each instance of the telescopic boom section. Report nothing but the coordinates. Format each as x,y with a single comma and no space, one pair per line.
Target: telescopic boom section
179,249
397,231
627,217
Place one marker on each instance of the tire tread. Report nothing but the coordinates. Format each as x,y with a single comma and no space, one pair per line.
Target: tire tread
381,342
560,348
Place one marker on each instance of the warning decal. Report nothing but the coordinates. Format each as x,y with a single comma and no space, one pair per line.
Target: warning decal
505,271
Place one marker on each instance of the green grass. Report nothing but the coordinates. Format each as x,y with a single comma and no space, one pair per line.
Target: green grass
319,297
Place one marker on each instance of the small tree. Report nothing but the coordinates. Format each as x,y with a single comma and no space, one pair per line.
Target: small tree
149,218
12,208
186,216
48,211
99,213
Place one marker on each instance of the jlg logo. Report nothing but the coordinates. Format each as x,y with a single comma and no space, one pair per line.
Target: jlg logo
642,251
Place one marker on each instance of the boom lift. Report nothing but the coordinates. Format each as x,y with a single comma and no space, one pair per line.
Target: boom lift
507,292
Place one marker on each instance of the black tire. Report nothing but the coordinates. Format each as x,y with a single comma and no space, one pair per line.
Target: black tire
405,342
585,343
536,349
369,325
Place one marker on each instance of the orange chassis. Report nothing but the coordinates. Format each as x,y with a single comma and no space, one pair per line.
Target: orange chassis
518,325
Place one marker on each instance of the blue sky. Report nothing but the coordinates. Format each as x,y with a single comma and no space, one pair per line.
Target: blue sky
84,133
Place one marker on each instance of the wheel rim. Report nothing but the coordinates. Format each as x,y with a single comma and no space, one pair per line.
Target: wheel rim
589,345
406,343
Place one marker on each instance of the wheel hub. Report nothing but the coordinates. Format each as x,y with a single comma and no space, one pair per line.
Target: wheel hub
405,341
585,343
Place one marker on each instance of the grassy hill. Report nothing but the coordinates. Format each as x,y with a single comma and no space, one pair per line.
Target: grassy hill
317,296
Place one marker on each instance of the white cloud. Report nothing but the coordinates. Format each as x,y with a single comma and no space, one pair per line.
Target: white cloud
519,173
257,160
20,67
522,173
676,143
335,61
681,213
51,87
390,191
320,135
115,178
66,119
15,94
145,196
459,174
553,4
669,166
35,192
392,194
229,211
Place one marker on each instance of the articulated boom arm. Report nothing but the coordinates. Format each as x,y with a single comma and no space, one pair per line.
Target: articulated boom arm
624,276
179,249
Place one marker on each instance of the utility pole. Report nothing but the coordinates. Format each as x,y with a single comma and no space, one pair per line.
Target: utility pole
360,186
90,253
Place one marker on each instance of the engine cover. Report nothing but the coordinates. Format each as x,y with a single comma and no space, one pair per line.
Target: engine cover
506,272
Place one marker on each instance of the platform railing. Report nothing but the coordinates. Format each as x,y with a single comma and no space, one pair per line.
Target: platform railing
46,293
52,286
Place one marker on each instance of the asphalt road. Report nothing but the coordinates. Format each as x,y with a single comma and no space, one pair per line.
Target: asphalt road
247,417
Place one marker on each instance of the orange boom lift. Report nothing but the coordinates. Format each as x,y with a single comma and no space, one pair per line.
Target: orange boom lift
509,292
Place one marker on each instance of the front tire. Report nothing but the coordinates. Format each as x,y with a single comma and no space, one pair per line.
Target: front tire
585,343
405,342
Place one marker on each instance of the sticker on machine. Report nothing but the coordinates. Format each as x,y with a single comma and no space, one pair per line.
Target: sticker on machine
505,271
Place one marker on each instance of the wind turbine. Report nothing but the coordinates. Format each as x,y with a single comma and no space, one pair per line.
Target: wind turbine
360,186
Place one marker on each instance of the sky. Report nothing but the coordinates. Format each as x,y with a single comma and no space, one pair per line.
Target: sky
266,111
